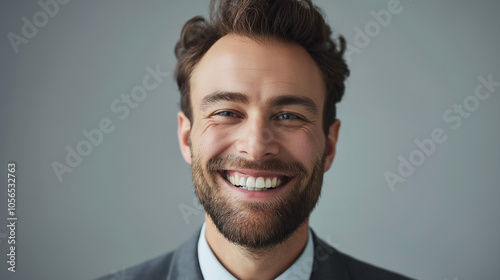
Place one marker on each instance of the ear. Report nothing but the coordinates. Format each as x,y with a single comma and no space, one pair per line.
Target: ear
183,131
331,143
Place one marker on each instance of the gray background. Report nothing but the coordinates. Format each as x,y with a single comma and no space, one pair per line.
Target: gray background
120,206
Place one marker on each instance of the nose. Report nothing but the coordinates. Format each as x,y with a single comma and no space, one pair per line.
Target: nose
256,140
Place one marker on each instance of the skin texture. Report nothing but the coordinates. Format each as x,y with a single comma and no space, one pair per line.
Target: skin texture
270,124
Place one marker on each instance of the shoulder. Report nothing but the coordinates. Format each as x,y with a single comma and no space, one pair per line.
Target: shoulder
179,264
362,270
328,261
156,268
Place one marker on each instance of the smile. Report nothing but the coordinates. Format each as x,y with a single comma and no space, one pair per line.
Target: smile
255,183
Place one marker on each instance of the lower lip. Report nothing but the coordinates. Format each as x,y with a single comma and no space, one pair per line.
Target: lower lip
256,195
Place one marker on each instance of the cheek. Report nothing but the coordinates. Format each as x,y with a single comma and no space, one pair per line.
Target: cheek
304,146
212,141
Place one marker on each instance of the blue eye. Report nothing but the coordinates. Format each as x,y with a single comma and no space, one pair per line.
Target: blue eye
287,116
226,114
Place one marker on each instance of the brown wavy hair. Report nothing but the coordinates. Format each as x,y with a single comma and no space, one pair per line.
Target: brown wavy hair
289,21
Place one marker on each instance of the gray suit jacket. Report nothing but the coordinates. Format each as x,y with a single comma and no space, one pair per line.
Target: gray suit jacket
182,264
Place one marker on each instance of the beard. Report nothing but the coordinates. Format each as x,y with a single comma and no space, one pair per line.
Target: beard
257,225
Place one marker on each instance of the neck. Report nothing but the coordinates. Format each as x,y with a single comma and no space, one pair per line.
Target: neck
247,264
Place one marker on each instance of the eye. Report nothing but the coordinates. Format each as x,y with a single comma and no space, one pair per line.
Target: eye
226,114
287,116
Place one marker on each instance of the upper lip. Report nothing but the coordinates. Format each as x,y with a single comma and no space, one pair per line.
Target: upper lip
257,173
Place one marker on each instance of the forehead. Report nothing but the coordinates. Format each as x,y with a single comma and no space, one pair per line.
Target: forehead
260,70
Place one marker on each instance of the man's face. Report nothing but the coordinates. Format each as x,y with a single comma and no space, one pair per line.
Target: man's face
256,144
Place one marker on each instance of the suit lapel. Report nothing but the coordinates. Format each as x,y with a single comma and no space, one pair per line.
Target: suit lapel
185,263
327,262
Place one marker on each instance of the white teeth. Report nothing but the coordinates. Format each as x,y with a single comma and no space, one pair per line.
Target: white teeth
250,183
254,184
268,183
260,183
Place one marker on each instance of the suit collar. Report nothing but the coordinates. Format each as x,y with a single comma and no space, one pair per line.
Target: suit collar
327,261
185,265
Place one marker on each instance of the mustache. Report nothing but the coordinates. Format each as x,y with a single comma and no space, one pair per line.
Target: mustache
218,163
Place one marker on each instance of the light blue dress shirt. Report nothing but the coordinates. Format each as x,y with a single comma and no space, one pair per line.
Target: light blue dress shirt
212,269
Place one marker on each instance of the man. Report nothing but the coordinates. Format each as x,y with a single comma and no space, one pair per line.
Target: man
258,84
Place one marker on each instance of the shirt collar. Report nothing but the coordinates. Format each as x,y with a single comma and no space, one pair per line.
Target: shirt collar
211,268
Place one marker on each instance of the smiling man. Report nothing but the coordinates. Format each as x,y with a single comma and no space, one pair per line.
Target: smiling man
258,151
259,83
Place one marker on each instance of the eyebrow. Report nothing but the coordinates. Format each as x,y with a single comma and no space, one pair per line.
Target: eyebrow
279,101
285,100
218,96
